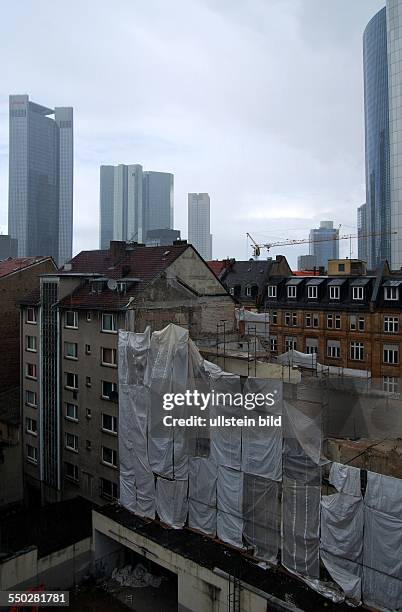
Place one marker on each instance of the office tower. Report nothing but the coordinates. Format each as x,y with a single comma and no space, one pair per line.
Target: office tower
158,200
324,244
377,145
121,204
362,232
199,228
8,247
162,237
40,205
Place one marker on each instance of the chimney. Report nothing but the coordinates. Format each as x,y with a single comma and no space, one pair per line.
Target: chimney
117,249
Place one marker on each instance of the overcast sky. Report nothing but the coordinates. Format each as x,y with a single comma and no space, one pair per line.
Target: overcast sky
257,102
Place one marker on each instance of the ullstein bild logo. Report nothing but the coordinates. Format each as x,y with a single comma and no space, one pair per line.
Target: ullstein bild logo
202,401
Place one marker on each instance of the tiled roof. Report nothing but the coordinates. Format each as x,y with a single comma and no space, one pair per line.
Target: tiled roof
31,299
217,266
10,265
142,263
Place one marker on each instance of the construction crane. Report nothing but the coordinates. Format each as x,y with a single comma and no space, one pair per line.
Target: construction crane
268,245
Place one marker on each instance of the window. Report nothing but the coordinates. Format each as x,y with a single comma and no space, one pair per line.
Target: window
357,351
89,316
248,290
88,381
108,489
391,325
357,323
292,291
341,267
391,354
316,320
71,319
334,321
311,346
312,292
109,356
290,343
71,380
87,349
32,454
71,441
31,426
274,344
272,291
71,471
30,398
333,349
311,319
294,319
108,389
288,318
274,317
109,323
391,293
390,384
71,350
308,319
109,423
109,456
231,290
71,412
31,371
357,293
30,316
334,292
30,343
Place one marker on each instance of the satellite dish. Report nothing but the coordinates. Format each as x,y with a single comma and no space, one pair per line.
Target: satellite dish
112,284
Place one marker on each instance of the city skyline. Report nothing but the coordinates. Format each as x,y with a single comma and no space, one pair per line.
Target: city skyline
264,135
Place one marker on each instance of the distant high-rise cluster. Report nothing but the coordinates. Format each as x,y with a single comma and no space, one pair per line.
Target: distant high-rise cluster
199,227
40,208
133,202
382,61
324,243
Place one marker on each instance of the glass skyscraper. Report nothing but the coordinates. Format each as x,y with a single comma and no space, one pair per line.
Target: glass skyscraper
40,205
199,230
324,244
376,114
158,200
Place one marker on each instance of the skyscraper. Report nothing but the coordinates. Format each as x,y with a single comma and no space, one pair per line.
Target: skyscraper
158,200
40,204
121,204
362,232
376,120
199,230
324,244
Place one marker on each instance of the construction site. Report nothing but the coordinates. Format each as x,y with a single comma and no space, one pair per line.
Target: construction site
305,515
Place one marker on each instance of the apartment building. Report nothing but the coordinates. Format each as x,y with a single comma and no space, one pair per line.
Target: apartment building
69,348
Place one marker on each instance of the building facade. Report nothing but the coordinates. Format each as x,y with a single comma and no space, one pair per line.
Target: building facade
199,224
362,233
158,200
324,244
8,247
40,207
162,237
70,361
306,262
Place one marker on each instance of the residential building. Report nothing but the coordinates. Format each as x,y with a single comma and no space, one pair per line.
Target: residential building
324,243
306,262
199,224
70,355
40,206
245,280
158,200
8,247
162,237
17,277
362,232
121,204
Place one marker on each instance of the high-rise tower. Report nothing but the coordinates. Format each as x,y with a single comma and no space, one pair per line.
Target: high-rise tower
199,230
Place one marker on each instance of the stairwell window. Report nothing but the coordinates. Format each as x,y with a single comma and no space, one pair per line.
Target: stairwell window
109,323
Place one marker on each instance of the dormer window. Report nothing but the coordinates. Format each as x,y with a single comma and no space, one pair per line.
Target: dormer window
334,293
272,291
312,292
357,293
231,290
248,290
391,293
291,291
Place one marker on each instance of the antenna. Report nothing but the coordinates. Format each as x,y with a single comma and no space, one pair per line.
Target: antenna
112,284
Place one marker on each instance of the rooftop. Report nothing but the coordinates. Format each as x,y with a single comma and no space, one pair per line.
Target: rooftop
11,265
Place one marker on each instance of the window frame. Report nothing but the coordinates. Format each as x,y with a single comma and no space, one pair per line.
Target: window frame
312,292
358,293
75,317
71,357
114,457
74,418
114,389
291,292
109,364
114,323
33,459
272,291
66,385
334,289
75,476
353,348
27,402
35,342
74,448
390,351
114,422
28,430
391,321
388,291
31,376
33,321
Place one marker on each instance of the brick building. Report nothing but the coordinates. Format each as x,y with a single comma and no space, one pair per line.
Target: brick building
70,354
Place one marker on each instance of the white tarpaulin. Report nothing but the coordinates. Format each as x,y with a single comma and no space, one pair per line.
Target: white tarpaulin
230,506
254,322
262,446
172,501
298,359
382,557
345,479
261,516
203,475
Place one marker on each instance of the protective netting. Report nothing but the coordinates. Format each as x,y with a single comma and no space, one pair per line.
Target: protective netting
254,487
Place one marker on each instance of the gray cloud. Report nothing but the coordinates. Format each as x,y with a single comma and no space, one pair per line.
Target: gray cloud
259,103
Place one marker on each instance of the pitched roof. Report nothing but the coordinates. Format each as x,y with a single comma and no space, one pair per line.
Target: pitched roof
11,265
217,266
